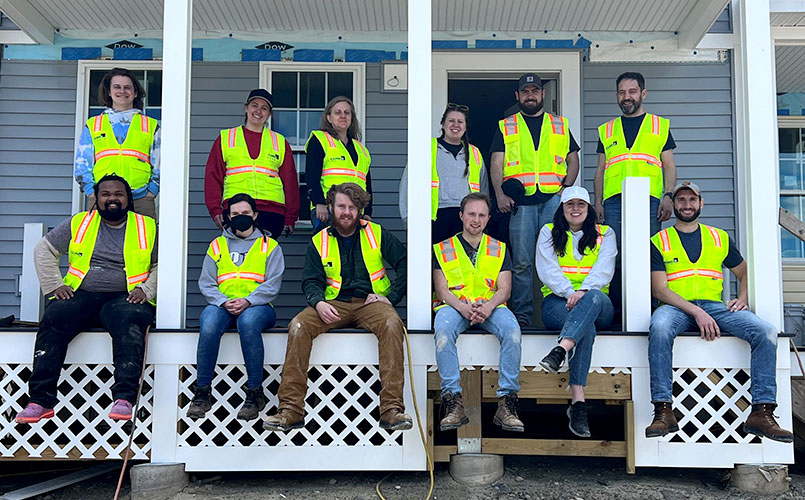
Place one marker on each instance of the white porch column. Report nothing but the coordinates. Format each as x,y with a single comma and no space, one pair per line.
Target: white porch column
419,115
757,140
177,42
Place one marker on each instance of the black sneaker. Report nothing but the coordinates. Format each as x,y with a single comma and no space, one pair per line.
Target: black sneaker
554,360
577,412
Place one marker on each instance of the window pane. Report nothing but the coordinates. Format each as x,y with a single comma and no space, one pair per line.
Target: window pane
283,88
284,122
304,200
95,111
155,113
339,84
153,88
308,122
311,90
95,78
790,158
792,247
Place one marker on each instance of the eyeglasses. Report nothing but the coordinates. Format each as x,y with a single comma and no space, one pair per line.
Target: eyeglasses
459,107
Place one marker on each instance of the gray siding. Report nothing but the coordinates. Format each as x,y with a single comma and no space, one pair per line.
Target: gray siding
37,123
724,22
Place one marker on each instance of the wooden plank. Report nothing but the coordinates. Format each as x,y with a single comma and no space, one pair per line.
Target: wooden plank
434,381
729,391
558,447
60,482
554,386
471,394
792,223
442,453
798,398
48,455
629,435
429,416
799,435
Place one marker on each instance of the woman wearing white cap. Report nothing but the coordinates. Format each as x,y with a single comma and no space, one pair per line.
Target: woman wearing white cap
575,262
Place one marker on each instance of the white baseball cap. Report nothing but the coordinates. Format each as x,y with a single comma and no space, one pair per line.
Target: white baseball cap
575,193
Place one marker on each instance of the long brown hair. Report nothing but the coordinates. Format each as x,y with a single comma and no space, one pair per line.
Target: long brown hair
354,130
464,140
104,89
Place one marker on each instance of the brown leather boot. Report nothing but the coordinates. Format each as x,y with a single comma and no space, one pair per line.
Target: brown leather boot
284,420
395,420
453,407
761,423
664,421
507,415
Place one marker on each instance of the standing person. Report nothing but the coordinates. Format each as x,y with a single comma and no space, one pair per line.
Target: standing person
335,155
472,282
240,278
346,285
457,169
686,277
637,144
575,262
534,156
121,141
111,282
257,161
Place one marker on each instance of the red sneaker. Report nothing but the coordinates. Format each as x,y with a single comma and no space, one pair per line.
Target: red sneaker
33,413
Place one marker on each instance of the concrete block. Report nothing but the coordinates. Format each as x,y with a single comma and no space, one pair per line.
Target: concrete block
761,479
157,481
476,469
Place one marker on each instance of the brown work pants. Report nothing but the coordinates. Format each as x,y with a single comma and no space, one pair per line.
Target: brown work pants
377,317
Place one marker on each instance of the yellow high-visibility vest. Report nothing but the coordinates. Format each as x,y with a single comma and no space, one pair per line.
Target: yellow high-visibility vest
338,167
138,243
371,235
642,160
240,281
546,166
577,270
467,282
703,280
130,160
259,177
473,177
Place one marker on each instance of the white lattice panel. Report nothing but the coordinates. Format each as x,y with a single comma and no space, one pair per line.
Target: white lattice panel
81,427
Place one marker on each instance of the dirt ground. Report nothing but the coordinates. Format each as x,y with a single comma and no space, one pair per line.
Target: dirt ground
534,478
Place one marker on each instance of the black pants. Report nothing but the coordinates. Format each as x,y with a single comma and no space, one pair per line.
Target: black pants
64,319
446,225
272,222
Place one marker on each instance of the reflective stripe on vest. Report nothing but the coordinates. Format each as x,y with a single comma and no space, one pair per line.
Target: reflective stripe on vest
337,166
258,177
545,167
240,281
473,176
130,160
470,283
577,270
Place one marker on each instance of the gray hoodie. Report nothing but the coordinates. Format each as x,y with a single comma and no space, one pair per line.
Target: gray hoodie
265,293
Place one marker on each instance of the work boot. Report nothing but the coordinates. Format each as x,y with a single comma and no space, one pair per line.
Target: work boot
395,420
761,423
453,408
554,360
664,421
507,416
253,404
33,413
577,412
284,420
201,402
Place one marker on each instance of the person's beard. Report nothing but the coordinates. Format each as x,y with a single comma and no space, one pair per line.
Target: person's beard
115,213
629,106
530,108
345,224
684,218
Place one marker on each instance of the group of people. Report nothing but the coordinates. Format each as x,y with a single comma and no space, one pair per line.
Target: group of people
555,229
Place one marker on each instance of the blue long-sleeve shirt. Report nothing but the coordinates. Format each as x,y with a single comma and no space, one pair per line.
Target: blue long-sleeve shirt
85,154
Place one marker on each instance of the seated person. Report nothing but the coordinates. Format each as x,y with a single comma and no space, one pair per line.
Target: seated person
111,282
240,277
472,279
575,262
686,277
346,285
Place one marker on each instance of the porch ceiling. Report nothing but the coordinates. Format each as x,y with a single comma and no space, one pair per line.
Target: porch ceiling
787,19
790,62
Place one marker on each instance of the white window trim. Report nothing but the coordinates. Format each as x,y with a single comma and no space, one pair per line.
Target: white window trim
82,104
791,122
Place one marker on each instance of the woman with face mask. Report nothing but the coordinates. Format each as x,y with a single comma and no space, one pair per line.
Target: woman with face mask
240,278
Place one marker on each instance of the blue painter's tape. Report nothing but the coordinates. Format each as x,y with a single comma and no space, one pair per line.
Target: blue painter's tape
197,54
583,43
362,55
495,44
141,54
313,55
449,44
554,44
403,56
526,43
76,53
260,55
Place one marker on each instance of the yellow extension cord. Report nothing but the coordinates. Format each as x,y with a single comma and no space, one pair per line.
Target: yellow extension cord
418,423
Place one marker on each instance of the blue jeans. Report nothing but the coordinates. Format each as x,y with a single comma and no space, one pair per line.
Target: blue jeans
214,321
449,324
524,227
593,310
669,321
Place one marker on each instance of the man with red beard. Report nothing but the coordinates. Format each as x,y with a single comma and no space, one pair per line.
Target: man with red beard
346,285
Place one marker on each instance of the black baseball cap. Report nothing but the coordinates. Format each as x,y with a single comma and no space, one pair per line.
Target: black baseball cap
529,79
261,94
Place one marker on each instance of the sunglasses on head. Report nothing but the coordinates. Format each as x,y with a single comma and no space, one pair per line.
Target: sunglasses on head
459,107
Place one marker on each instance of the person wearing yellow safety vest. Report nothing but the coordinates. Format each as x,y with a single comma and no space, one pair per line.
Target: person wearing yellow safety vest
346,285
121,140
111,283
336,155
534,157
686,277
457,169
575,262
240,278
472,282
254,160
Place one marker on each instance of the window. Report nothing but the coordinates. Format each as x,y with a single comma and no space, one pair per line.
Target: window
792,181
301,91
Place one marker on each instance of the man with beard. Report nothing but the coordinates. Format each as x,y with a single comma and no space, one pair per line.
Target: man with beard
686,277
346,285
534,156
637,144
111,282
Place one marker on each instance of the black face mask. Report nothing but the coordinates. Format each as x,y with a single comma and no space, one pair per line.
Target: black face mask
241,222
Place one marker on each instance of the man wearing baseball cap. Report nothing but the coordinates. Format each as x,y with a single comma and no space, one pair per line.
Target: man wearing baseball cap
257,161
534,157
686,277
